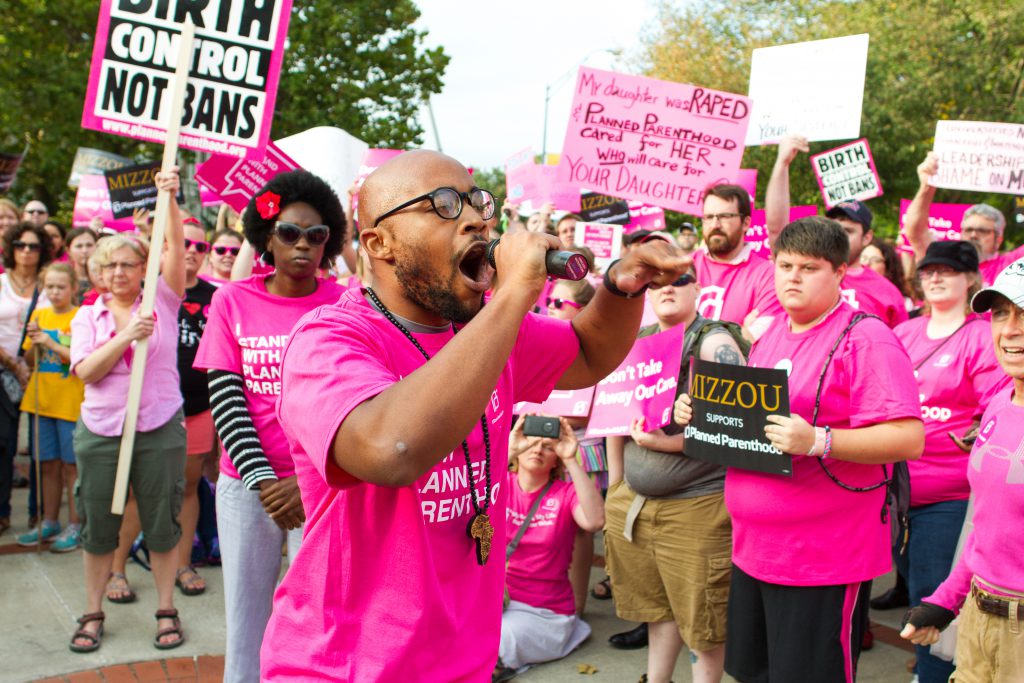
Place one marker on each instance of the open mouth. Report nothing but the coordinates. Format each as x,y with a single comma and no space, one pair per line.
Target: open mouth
474,267
1013,351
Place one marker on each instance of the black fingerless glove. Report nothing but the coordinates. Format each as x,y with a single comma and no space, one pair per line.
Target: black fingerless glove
927,614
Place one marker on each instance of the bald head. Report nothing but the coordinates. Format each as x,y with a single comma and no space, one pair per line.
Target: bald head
403,177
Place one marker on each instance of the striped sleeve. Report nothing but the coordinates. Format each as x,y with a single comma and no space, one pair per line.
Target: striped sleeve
235,428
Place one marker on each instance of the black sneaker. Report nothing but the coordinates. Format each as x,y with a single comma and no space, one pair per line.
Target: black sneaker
891,599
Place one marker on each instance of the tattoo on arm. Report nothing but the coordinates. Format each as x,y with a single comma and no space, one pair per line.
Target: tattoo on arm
728,355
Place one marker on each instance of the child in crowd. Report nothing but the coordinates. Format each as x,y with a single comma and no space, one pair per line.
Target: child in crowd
57,404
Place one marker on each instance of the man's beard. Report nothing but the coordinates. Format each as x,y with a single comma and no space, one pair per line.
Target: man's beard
424,287
721,249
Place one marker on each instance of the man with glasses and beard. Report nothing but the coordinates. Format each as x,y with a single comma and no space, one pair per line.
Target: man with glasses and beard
982,226
736,283
397,405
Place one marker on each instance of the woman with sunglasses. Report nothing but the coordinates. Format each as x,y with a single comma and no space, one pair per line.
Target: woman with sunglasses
296,224
226,245
26,249
957,375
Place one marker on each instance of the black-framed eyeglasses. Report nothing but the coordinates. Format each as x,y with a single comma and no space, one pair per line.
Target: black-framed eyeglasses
685,279
447,203
201,247
220,250
558,303
31,246
290,233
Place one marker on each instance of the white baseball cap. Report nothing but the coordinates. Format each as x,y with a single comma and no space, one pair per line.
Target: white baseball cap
1009,283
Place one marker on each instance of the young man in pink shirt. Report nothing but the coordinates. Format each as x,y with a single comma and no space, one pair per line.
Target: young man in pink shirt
986,586
982,225
400,459
863,288
804,547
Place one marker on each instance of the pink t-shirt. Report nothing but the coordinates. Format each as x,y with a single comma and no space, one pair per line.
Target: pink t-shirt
955,385
869,292
991,268
103,409
386,586
806,530
729,291
994,548
538,573
246,331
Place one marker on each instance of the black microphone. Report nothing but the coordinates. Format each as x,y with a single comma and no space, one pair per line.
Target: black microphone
565,265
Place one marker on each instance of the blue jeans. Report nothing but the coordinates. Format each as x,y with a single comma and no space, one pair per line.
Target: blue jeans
934,532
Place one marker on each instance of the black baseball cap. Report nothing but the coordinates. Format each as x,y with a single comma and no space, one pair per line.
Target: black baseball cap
961,256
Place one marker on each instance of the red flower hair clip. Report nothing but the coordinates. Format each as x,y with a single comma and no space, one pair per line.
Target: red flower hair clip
268,205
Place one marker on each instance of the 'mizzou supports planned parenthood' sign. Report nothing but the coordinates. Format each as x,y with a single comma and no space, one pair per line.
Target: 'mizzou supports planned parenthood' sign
232,85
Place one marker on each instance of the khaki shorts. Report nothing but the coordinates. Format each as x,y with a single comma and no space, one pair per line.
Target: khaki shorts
988,647
157,480
678,566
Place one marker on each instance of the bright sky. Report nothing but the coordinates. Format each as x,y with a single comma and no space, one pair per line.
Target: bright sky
502,56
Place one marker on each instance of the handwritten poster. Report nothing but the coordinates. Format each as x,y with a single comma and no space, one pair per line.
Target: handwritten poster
814,89
847,172
980,156
654,141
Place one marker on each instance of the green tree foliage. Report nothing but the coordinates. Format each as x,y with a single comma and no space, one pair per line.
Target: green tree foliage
357,65
928,60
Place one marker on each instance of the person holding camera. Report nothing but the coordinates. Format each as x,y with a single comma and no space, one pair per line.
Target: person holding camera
539,623
397,405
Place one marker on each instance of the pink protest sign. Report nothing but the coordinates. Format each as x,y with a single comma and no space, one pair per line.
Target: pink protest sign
208,197
654,141
233,78
373,159
604,239
565,196
562,403
757,234
747,179
644,217
521,176
238,180
943,222
847,172
643,386
93,199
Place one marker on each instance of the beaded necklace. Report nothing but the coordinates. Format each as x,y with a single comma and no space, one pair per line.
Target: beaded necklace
479,528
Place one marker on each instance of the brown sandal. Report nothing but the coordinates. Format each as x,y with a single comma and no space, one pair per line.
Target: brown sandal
94,638
118,589
173,630
189,581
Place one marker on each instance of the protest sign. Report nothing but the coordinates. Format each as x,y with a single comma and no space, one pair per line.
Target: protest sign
604,240
814,89
527,183
132,187
90,161
575,403
229,102
600,208
372,159
644,217
520,176
92,200
9,164
943,223
747,179
643,386
731,405
328,152
757,234
847,172
980,156
550,188
653,141
237,181
208,197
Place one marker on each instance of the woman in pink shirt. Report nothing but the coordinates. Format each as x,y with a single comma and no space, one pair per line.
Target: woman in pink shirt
957,373
986,586
296,224
539,623
103,342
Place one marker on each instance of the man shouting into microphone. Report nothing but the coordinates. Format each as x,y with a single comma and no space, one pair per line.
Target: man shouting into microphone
397,404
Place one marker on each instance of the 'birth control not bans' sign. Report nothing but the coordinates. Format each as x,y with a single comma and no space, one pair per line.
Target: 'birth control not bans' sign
233,77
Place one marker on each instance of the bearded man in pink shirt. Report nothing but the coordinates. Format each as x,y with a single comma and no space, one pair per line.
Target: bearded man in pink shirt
397,405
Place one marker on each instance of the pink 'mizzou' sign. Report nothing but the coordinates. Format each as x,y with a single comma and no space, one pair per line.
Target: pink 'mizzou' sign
575,403
93,199
943,222
229,105
847,172
643,386
757,234
238,180
654,141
